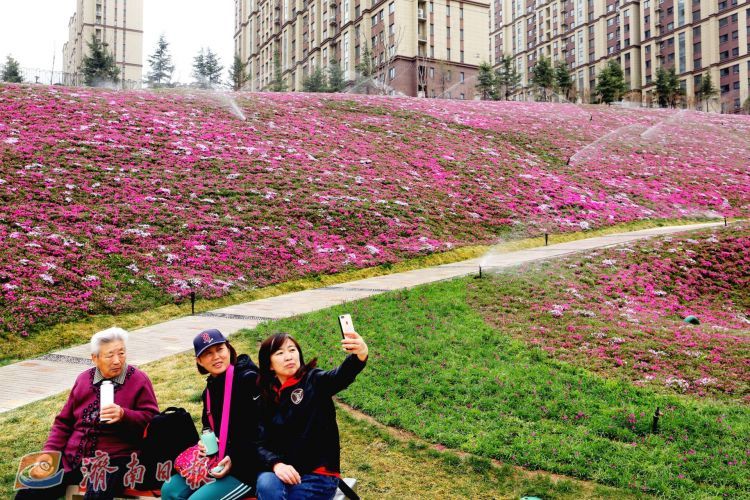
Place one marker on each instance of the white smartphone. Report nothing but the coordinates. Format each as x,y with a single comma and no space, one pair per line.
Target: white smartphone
345,322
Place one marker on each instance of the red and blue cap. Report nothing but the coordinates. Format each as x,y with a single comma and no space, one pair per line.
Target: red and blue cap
206,339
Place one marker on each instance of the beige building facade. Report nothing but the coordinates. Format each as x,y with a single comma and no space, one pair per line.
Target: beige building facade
417,48
116,23
695,37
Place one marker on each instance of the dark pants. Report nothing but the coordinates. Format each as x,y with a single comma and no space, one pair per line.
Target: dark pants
114,485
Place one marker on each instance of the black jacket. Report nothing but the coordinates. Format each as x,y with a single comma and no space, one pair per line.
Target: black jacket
300,429
243,418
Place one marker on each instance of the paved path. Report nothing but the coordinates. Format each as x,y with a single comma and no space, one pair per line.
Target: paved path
53,373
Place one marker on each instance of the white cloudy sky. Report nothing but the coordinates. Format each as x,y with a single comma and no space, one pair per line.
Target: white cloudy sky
33,30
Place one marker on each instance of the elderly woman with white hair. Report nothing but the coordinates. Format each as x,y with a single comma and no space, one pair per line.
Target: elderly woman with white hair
85,427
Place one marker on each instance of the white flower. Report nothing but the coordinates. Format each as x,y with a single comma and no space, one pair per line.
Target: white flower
47,278
679,383
132,267
372,249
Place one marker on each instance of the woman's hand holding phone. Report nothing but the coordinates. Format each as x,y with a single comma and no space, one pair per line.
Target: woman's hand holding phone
353,343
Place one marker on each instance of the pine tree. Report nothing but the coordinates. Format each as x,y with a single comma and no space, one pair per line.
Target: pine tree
277,84
563,80
161,65
314,82
507,78
238,73
199,68
706,90
207,68
365,67
486,85
11,71
610,83
543,76
99,65
336,80
213,68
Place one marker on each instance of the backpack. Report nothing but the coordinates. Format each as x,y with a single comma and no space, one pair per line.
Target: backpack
167,435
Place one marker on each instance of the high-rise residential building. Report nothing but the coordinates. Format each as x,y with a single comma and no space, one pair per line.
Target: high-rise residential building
116,23
417,48
695,37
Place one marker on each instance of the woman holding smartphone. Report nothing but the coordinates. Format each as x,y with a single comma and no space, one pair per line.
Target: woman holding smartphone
299,434
234,475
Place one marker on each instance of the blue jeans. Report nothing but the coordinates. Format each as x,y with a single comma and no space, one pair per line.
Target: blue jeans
316,486
226,488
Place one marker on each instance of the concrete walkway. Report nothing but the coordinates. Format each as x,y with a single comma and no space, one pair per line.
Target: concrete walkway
34,379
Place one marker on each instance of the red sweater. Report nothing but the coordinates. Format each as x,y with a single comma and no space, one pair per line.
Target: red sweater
77,432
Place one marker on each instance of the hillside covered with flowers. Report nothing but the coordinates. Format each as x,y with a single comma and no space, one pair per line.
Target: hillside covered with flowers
116,201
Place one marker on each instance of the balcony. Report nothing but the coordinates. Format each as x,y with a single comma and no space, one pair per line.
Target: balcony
422,37
421,15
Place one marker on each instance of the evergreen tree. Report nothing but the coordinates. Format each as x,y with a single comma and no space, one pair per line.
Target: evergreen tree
543,76
314,82
706,90
563,79
746,106
98,64
277,84
365,67
486,85
213,68
507,78
238,73
11,71
610,83
161,65
667,87
199,68
336,81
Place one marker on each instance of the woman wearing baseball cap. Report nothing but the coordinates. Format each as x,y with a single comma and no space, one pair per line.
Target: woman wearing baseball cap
235,474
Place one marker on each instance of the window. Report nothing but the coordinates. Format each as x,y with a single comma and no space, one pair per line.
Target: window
392,7
448,32
374,19
432,72
724,72
735,35
392,73
448,54
461,77
381,16
724,55
724,38
461,33
461,15
448,10
697,47
392,29
723,22
697,63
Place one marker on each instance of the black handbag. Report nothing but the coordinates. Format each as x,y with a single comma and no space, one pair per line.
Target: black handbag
167,435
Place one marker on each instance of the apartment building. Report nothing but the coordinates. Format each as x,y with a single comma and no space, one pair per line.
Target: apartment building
116,23
695,37
418,48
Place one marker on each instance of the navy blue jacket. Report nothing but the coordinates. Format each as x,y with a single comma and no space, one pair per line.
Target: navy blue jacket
300,428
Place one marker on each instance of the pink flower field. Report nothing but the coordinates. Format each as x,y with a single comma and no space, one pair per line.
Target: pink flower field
119,201
621,311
